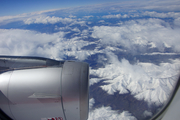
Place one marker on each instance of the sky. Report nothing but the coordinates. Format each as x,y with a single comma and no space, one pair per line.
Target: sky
15,7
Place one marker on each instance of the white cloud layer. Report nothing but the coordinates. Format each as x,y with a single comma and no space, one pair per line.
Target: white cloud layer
140,32
105,113
116,16
91,102
47,19
26,42
146,81
144,14
161,14
177,21
38,18
159,5
24,16
147,113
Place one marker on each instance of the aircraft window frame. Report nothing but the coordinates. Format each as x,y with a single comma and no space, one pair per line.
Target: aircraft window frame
161,113
3,116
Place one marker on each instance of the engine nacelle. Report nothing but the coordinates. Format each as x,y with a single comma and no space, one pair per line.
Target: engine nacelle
34,88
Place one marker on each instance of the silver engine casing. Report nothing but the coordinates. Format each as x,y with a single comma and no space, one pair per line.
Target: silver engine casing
44,89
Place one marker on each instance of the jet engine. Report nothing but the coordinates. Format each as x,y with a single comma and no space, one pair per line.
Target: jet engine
35,88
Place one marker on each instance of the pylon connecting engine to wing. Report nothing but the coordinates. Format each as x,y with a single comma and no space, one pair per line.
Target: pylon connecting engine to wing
33,88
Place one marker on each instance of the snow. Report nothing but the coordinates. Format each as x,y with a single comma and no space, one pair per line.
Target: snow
146,81
94,80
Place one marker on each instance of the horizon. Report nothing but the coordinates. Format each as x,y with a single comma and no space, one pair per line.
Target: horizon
13,8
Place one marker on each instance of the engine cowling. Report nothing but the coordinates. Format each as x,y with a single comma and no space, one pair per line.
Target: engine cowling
43,89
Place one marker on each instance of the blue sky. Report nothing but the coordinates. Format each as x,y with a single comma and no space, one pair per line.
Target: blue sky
14,7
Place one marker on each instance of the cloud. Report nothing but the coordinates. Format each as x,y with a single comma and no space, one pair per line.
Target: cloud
47,19
80,55
139,33
159,53
112,16
91,102
9,19
145,81
36,17
177,22
26,42
105,113
82,23
145,14
116,16
24,16
72,16
147,113
87,17
101,21
48,16
161,15
161,5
